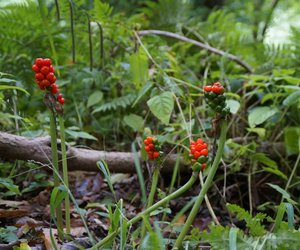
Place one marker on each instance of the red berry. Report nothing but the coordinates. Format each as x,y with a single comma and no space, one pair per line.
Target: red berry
147,148
203,166
150,139
204,152
221,90
215,89
199,141
150,155
45,83
146,142
50,76
45,70
42,87
151,146
217,84
59,96
199,147
61,100
204,145
39,62
54,88
35,68
51,69
207,88
155,154
39,76
196,154
47,62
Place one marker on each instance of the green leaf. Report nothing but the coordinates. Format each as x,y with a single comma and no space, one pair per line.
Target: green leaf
5,87
139,67
143,91
136,122
261,132
292,99
283,72
105,170
8,183
233,105
94,98
153,241
292,140
284,193
233,238
261,157
80,134
259,115
162,106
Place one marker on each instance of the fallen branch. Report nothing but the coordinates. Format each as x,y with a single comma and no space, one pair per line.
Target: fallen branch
199,44
38,150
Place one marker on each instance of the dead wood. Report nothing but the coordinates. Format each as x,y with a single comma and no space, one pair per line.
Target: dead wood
38,150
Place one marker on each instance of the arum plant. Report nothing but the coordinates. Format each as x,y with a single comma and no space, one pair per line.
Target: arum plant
216,101
45,78
152,147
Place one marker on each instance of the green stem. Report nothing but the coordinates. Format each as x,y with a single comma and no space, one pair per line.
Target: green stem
58,210
205,187
155,206
65,172
151,196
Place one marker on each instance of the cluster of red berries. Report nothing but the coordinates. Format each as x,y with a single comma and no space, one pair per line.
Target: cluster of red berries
45,78
199,153
216,99
152,147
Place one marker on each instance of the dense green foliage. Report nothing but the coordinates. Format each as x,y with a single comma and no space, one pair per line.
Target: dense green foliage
120,85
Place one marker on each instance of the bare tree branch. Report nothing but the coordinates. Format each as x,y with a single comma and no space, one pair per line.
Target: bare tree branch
38,150
199,44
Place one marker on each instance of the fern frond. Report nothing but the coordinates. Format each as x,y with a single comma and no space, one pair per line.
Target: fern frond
120,102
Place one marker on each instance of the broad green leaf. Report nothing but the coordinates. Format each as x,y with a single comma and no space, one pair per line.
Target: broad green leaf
259,115
292,98
7,183
136,122
94,98
275,171
292,140
233,105
5,87
139,68
162,106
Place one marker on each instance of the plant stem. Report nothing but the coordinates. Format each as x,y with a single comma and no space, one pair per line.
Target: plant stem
58,210
155,206
205,187
65,172
151,196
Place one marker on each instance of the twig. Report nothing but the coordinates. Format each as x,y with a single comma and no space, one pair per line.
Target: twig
199,44
268,19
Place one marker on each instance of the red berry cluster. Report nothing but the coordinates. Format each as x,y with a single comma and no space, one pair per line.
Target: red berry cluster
152,147
216,99
45,78
199,152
